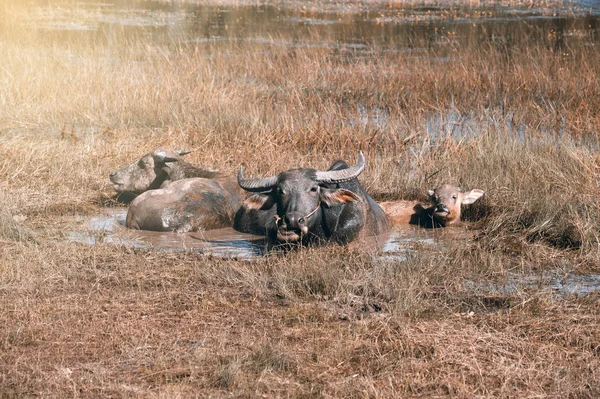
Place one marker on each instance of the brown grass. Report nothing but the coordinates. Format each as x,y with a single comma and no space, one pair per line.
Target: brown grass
108,321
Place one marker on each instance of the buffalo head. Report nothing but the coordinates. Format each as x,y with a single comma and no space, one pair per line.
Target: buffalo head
304,202
447,200
148,173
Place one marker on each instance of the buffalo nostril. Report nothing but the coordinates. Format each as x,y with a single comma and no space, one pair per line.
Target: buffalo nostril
442,208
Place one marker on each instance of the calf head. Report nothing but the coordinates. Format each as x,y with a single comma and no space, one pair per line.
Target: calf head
299,196
447,200
148,173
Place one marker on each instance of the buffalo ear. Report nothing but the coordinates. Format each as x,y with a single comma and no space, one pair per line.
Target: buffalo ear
182,152
167,170
472,196
258,201
338,196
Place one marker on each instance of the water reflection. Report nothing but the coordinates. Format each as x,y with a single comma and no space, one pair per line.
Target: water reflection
353,30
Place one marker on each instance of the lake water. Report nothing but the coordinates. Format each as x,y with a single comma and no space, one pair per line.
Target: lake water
352,28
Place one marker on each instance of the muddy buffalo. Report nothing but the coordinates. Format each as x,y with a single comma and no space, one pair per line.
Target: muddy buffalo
445,208
173,195
157,169
310,206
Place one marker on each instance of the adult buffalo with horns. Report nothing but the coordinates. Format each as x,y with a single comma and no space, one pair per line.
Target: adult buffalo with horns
310,206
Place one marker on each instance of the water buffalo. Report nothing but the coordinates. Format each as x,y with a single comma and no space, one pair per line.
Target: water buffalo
444,211
173,195
184,205
156,169
309,206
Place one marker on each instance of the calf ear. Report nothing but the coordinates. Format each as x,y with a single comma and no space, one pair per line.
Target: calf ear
471,196
258,201
339,196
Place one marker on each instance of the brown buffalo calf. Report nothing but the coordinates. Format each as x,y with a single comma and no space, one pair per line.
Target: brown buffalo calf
444,211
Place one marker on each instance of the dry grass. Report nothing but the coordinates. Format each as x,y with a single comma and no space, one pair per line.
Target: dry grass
107,321
110,321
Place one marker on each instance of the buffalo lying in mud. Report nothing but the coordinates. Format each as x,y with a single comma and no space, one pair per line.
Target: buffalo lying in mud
309,206
175,195
444,211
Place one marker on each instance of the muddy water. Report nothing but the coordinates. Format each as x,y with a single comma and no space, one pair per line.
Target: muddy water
402,243
109,227
561,285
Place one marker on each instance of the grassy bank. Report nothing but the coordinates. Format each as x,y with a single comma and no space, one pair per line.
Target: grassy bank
519,122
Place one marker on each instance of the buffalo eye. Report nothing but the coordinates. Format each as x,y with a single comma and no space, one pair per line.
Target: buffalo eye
314,189
454,197
281,191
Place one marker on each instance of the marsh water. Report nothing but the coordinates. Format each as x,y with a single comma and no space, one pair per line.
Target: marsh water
108,226
351,29
403,242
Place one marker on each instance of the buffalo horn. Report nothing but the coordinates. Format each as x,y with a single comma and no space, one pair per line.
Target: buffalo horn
343,175
163,157
256,185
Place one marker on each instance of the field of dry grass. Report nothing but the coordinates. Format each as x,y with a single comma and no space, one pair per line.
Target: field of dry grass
108,321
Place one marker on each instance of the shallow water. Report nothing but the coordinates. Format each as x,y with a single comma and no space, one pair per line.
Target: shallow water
403,242
354,30
109,227
562,285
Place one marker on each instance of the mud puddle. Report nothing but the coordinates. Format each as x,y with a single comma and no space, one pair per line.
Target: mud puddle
562,285
403,242
109,227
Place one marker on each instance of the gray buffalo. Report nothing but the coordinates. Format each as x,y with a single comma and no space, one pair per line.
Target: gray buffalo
306,206
445,208
156,169
173,195
184,205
